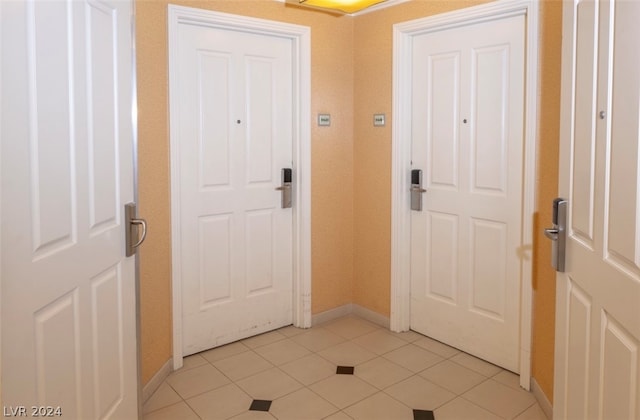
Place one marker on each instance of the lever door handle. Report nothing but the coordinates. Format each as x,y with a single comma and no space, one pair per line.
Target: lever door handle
143,236
558,234
417,188
552,233
285,187
130,233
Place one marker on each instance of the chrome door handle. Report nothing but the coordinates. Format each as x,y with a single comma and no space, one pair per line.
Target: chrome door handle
416,189
552,233
285,187
130,233
558,234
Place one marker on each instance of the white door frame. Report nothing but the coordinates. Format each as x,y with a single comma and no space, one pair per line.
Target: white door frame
300,37
403,34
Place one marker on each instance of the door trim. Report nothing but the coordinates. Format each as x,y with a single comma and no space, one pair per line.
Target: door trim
301,54
403,34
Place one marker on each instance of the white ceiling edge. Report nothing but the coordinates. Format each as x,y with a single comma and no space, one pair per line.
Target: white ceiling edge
375,7
379,6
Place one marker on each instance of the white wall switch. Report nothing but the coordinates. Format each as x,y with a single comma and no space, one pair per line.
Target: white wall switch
324,120
378,120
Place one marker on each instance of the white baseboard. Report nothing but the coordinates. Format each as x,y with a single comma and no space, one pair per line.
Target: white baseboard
331,314
350,309
544,402
371,316
156,381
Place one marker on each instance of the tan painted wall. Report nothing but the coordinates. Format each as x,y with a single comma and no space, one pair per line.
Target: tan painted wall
332,160
544,279
351,79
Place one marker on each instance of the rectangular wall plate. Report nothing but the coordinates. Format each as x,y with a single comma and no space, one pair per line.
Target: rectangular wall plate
378,120
324,120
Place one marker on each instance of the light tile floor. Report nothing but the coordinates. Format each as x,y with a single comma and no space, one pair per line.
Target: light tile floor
296,370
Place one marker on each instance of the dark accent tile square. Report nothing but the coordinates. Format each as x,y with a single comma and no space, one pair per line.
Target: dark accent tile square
344,370
423,415
260,405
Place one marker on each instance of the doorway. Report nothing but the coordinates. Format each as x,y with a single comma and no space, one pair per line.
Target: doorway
405,35
251,122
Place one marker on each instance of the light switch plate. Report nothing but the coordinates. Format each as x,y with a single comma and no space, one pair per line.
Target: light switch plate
324,120
379,120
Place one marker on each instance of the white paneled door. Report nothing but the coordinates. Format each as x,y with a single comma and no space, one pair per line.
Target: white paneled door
234,93
597,359
68,291
468,138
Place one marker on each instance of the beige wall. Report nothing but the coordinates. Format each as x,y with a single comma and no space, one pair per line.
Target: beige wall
544,284
351,80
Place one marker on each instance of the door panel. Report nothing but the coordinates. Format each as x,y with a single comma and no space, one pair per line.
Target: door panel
467,134
597,306
441,265
488,244
213,73
68,292
235,135
489,88
579,309
442,91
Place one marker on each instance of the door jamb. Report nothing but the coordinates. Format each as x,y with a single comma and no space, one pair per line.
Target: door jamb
403,34
301,53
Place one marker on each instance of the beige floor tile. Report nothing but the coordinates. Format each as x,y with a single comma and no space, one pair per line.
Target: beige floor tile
340,415
381,372
347,354
242,365
435,346
263,339
508,378
461,409
296,368
418,393
225,351
317,339
195,381
379,406
292,331
282,351
253,415
379,341
192,361
343,390
177,411
221,403
302,404
532,413
408,336
350,327
413,358
485,368
269,385
163,397
309,369
453,377
500,399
